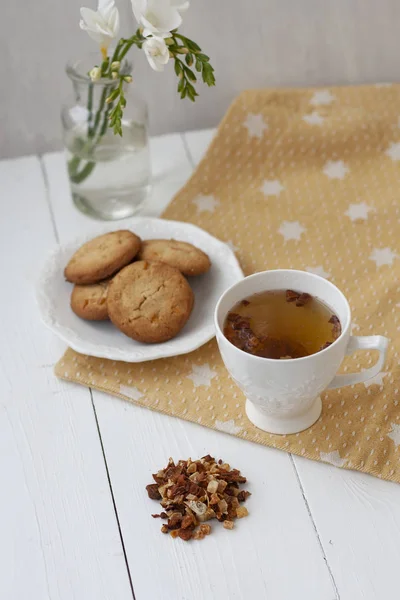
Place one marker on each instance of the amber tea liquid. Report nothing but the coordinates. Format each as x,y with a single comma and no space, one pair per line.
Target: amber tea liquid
281,324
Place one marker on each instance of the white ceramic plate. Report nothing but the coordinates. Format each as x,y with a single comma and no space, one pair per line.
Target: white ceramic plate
102,339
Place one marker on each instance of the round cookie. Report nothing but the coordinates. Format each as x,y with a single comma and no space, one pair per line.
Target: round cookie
185,257
149,301
90,301
102,257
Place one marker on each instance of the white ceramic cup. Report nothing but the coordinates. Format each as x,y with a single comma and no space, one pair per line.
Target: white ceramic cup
283,396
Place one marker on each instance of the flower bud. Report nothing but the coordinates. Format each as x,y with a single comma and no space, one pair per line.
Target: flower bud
128,78
95,74
114,74
169,41
115,65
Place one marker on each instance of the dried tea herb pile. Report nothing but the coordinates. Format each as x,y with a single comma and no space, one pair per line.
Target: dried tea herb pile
192,492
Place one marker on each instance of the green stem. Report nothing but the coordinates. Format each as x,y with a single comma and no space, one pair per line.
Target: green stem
119,54
90,104
128,45
78,177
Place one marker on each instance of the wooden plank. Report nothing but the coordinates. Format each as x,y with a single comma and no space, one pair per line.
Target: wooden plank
59,535
357,516
275,553
358,520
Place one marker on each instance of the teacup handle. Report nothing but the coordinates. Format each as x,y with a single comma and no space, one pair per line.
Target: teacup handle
365,342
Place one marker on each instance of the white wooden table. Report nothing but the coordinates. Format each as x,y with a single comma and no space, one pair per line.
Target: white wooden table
75,519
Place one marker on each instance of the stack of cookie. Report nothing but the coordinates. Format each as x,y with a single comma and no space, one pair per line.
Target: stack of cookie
140,286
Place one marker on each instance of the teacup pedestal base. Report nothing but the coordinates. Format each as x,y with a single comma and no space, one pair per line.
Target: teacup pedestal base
282,425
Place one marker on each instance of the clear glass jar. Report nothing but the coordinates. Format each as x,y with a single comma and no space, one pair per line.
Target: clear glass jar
110,175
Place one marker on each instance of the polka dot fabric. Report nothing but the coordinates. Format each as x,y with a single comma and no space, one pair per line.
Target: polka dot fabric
303,179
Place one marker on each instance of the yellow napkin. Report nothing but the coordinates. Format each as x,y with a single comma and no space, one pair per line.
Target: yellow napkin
305,179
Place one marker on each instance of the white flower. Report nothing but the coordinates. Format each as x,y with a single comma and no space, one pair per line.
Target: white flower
95,73
102,25
157,52
158,17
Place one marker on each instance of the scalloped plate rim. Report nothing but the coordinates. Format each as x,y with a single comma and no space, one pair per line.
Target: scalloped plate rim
205,333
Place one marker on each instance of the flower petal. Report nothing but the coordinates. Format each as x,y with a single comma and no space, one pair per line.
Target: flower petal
89,16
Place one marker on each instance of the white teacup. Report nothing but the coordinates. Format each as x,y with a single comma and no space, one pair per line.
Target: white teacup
283,396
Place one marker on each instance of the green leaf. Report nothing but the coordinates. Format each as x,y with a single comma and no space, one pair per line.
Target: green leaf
181,84
199,65
208,74
203,57
191,92
189,59
183,93
190,75
192,45
178,67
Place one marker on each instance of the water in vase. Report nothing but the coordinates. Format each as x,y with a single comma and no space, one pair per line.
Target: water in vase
110,176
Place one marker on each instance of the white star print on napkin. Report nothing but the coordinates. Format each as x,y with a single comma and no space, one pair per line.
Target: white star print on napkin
318,271
394,434
322,97
358,211
383,256
335,169
228,427
205,203
272,187
313,118
291,230
131,392
394,151
201,375
255,125
333,458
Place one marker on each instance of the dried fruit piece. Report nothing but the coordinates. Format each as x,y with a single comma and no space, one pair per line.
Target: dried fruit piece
228,524
303,299
212,486
337,328
206,529
185,534
243,495
197,507
174,522
292,296
152,491
188,522
241,512
221,486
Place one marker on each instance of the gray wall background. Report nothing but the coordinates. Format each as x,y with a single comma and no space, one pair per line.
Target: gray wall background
253,43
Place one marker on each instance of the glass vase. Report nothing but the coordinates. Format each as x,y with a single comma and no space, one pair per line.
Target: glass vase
109,174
